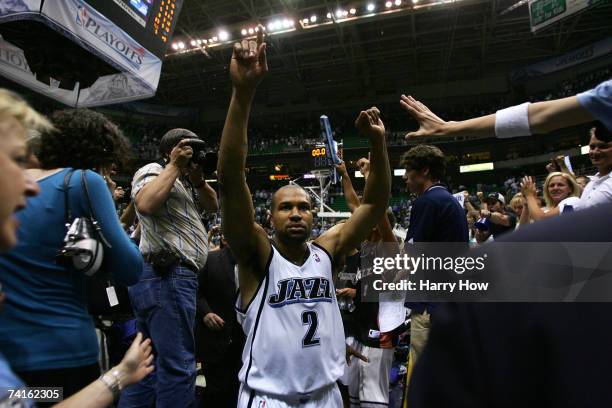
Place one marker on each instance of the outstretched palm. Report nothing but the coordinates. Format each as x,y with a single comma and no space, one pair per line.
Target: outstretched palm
249,64
429,123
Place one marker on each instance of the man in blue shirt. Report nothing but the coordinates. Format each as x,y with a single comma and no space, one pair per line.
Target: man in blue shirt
436,216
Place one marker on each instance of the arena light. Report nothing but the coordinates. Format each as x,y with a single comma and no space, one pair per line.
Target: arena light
193,43
585,149
243,31
305,21
339,13
353,11
215,38
223,35
181,45
388,4
309,176
399,172
174,46
313,18
469,168
199,42
415,1
251,31
370,7
398,2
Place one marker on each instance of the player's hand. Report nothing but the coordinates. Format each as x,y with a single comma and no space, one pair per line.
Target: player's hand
429,123
136,363
352,352
480,196
213,321
249,63
528,187
364,167
181,154
368,122
346,292
485,213
342,168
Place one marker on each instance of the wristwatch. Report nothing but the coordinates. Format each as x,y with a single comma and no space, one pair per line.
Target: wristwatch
111,380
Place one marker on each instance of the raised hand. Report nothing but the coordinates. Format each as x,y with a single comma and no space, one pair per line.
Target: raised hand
364,166
368,122
249,63
429,123
181,154
528,186
341,167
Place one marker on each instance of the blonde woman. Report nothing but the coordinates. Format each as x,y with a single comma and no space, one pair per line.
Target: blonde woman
519,206
561,192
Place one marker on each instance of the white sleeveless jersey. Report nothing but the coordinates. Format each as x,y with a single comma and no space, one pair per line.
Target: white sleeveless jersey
295,337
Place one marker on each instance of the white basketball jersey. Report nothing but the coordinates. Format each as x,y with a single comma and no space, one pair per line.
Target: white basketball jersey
295,337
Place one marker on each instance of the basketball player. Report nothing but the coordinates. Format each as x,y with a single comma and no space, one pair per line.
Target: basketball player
295,345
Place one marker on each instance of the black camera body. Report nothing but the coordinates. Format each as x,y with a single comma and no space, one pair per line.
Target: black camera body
206,160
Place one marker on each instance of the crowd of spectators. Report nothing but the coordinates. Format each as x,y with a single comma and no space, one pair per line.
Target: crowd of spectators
287,137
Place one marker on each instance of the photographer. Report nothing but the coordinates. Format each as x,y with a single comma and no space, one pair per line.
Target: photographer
169,196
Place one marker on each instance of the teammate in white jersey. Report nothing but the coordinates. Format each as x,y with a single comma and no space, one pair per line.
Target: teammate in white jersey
295,340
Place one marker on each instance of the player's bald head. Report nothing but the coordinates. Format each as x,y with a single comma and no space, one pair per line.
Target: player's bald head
289,189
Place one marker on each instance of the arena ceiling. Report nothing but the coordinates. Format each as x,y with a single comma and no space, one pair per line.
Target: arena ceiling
367,58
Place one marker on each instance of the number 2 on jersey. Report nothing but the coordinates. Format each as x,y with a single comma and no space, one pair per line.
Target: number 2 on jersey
310,318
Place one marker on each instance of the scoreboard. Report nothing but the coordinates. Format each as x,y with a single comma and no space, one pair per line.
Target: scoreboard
150,22
321,156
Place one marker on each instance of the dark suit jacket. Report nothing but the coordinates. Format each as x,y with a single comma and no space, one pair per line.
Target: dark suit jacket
482,355
217,294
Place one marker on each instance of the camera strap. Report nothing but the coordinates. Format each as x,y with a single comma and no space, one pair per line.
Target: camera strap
92,215
67,212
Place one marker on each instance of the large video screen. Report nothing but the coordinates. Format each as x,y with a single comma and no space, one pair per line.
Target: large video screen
150,22
142,6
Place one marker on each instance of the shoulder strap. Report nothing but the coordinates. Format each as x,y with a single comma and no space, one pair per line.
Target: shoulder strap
92,214
67,212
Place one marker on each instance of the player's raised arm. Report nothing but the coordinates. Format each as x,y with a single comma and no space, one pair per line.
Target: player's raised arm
247,68
352,200
344,237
